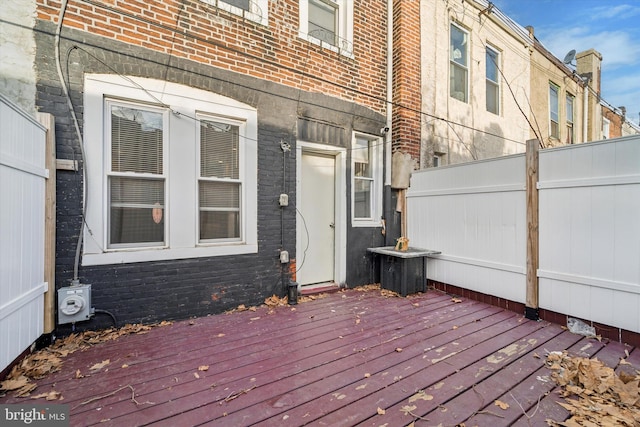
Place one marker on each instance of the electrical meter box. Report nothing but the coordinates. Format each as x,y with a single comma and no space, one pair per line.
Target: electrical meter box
74,304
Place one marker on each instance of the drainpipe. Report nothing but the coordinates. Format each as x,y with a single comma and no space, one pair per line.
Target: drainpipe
388,139
585,110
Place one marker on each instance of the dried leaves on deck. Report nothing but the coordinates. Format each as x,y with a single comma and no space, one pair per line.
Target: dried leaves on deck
597,395
49,360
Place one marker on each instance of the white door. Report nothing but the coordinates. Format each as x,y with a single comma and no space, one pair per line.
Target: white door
316,220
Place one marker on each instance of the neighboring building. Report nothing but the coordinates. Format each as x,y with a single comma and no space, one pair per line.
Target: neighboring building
226,147
565,96
475,82
17,44
615,122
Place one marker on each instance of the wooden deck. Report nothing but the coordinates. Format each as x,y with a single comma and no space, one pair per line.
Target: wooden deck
350,358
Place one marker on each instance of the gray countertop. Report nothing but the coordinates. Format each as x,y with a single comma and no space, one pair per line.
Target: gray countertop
409,253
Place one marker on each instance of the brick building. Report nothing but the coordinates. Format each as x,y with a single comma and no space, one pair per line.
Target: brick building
224,147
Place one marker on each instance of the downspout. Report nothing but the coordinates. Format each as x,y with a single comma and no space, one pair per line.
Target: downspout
585,110
388,139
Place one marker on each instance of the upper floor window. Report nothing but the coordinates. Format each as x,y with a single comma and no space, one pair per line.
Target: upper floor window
459,60
493,81
253,10
168,180
328,23
606,125
569,109
554,107
367,178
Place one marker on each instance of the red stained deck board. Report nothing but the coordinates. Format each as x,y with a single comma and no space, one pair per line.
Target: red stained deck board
265,378
308,365
523,397
334,390
393,398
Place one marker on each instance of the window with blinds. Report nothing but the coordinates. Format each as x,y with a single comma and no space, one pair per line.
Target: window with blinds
136,180
362,178
219,185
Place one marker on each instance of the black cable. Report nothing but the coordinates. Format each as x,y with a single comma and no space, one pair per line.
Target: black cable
113,317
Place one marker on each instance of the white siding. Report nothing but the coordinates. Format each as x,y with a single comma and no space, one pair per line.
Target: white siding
22,201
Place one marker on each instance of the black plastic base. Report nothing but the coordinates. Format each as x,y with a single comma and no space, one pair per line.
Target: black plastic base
532,313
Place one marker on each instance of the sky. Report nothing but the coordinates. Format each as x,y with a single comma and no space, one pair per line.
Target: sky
612,27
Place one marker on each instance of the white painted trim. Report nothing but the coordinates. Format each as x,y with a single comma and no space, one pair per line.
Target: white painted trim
22,300
590,182
183,102
340,259
590,281
377,190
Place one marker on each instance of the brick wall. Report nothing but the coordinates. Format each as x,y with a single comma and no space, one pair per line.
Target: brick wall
199,32
406,77
346,92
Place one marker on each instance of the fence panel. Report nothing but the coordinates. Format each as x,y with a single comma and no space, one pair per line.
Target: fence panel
474,213
590,231
22,222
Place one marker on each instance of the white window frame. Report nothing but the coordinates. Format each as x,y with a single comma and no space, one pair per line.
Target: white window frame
376,182
181,203
494,84
260,16
606,128
454,63
553,86
570,102
344,26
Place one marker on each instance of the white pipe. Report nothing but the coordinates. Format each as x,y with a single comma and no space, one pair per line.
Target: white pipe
585,110
388,139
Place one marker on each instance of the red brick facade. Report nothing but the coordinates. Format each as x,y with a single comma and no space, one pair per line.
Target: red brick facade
200,32
406,77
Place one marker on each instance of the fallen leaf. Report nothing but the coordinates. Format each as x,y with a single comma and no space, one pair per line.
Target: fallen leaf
220,335
255,318
79,374
536,355
195,374
367,375
420,395
203,368
502,404
253,308
456,300
124,366
100,365
357,321
381,411
398,350
407,409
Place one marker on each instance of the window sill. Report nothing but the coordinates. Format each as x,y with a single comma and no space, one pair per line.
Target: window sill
313,40
366,223
165,254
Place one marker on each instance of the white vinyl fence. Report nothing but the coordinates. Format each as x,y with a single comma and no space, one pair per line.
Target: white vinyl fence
22,236
589,228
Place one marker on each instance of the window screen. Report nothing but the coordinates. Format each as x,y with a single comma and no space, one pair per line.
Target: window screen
219,184
136,182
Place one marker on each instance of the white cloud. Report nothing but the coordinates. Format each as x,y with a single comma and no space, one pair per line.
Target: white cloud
621,11
617,47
